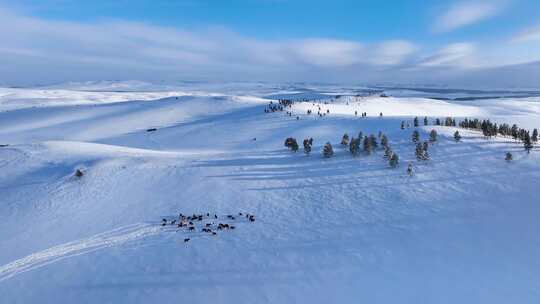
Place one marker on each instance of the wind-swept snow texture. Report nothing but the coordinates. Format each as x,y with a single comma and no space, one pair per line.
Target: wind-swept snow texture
463,229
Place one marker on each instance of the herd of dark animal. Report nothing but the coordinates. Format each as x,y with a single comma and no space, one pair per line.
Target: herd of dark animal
208,223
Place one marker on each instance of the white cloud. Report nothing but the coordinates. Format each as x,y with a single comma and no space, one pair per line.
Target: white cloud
531,34
456,54
38,50
466,13
328,52
393,52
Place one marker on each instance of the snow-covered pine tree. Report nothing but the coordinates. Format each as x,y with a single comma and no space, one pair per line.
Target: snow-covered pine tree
388,152
328,151
373,140
394,160
419,151
514,132
354,146
416,121
433,136
384,141
410,169
425,147
345,139
527,144
294,146
457,136
415,136
307,146
367,145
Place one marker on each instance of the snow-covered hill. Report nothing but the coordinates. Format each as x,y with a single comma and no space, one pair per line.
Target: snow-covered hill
463,229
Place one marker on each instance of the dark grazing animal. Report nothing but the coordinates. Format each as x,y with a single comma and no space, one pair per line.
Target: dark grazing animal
186,240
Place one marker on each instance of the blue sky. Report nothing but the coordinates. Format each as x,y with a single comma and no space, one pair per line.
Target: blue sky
389,41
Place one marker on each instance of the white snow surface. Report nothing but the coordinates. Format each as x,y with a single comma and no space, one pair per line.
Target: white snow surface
463,229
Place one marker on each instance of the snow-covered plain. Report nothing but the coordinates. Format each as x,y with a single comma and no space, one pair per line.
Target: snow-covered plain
463,229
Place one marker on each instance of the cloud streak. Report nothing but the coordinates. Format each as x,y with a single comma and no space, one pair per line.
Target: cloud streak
466,13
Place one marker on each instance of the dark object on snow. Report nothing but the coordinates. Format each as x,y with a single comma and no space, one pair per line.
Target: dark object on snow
173,222
252,218
328,151
292,144
191,228
3,145
79,173
151,130
508,157
214,233
186,240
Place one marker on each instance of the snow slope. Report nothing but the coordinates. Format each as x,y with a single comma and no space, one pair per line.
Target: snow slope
463,229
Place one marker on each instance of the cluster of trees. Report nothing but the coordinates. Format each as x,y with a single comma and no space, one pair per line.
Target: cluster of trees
366,143
487,128
282,103
448,122
490,129
422,147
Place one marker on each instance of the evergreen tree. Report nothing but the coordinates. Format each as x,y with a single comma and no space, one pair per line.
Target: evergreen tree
420,153
354,146
384,141
416,122
457,136
394,160
527,142
508,156
307,146
534,137
388,152
437,122
368,148
345,139
294,146
291,144
425,121
410,169
373,141
415,136
433,136
514,132
402,125
328,151
425,146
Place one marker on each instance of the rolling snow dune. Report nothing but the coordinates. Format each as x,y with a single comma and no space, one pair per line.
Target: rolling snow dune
463,229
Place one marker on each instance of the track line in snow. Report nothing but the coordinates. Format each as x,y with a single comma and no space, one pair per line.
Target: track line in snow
107,239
